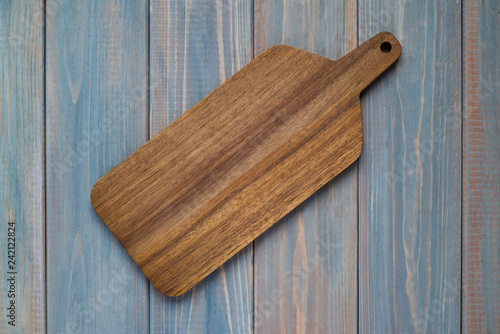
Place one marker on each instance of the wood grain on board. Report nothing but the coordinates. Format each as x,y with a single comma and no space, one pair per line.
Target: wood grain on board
306,264
194,47
22,167
96,116
481,179
410,182
305,277
239,160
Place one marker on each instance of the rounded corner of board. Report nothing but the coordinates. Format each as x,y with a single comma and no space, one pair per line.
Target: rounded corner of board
94,194
278,48
169,292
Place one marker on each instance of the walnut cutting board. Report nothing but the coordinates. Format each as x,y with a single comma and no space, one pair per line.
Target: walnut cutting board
239,160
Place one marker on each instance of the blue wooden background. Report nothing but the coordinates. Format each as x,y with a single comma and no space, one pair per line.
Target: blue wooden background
406,240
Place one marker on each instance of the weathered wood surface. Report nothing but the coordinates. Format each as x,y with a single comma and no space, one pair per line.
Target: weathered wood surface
409,173
22,165
481,158
96,102
194,47
316,243
306,265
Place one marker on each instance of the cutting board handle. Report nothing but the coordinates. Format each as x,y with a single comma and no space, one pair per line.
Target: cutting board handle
370,59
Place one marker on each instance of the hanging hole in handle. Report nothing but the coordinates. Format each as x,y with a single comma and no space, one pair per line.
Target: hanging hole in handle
385,47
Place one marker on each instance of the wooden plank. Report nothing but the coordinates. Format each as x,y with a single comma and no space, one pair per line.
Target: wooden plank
410,182
21,167
195,46
306,265
481,157
96,116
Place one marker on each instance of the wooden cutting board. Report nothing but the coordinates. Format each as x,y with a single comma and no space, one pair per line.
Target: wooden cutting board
239,160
